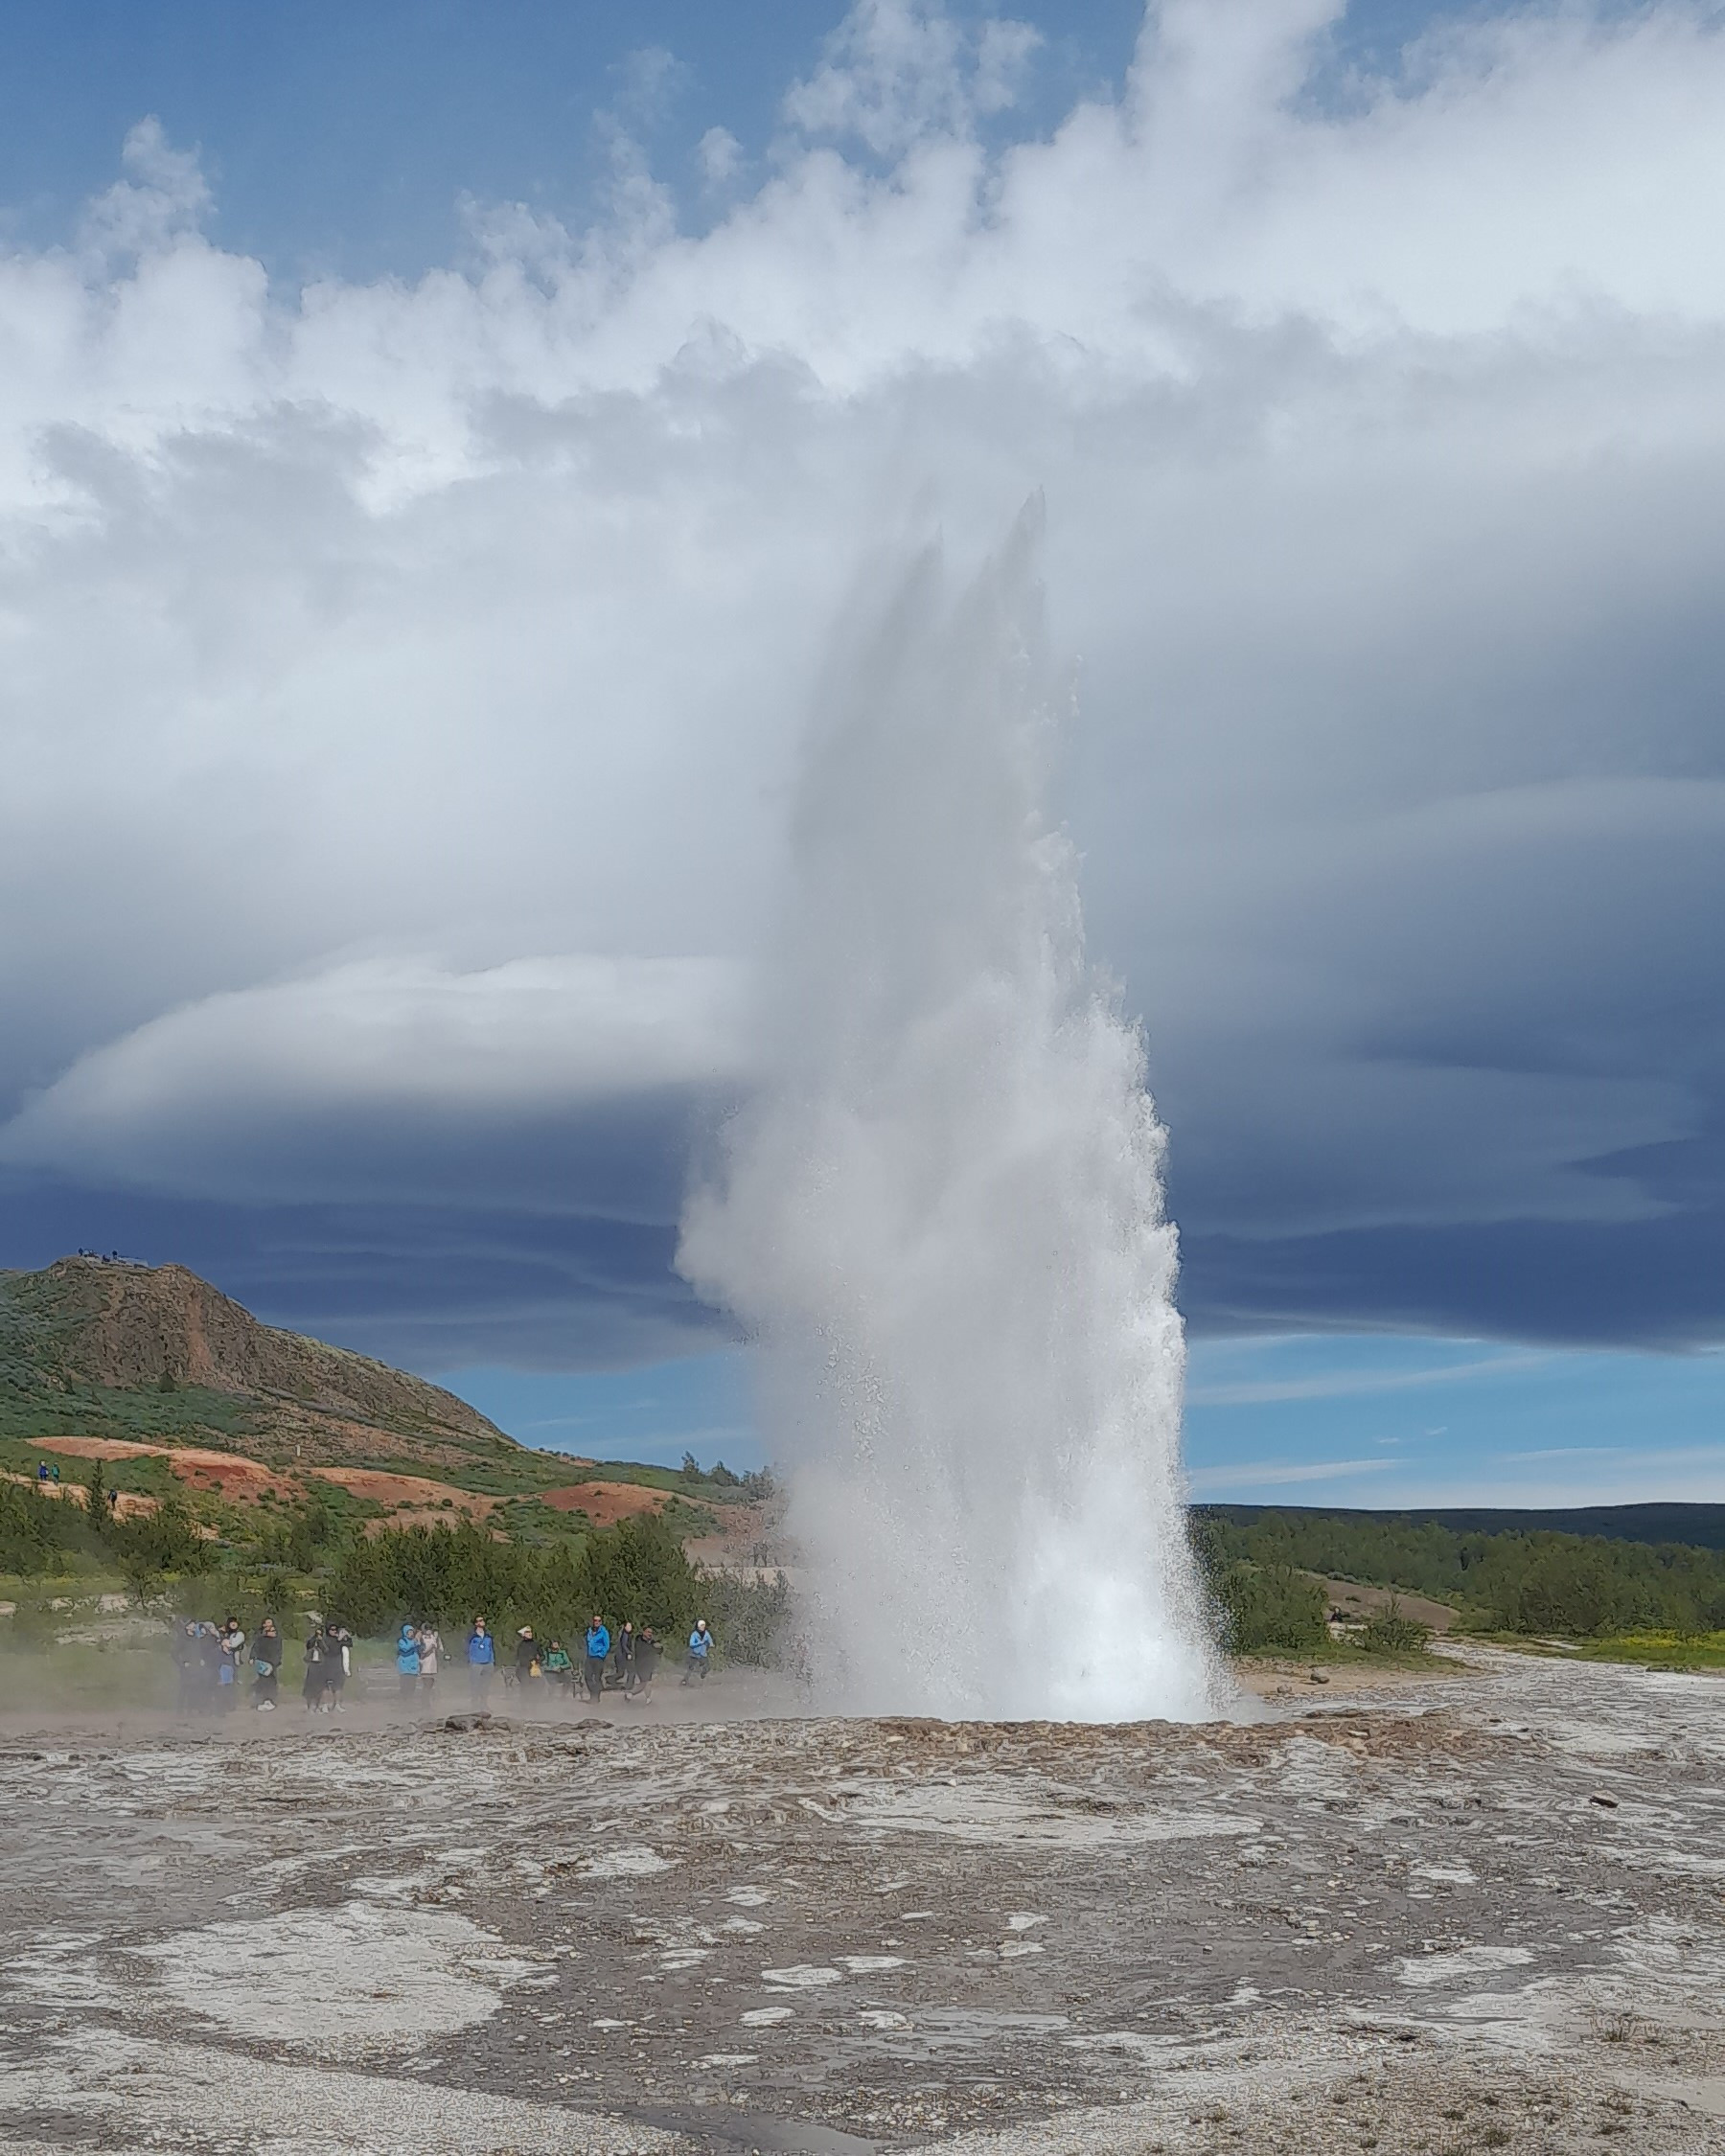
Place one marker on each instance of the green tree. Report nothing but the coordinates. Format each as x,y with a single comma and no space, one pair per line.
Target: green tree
1269,1606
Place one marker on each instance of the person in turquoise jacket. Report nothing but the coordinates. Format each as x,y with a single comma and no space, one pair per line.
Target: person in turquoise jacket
482,1659
700,1652
598,1654
407,1654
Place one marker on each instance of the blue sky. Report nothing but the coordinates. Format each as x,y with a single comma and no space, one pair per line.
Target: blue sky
437,441
1372,1420
343,140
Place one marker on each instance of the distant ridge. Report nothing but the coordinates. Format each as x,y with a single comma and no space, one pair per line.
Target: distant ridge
99,1346
1698,1526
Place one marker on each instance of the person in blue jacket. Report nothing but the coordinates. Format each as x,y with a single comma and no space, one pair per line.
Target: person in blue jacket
598,1654
700,1652
407,1667
482,1659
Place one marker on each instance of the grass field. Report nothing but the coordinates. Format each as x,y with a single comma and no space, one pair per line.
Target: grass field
1659,1650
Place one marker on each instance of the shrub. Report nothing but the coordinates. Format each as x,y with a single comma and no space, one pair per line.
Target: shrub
1390,1631
1269,1606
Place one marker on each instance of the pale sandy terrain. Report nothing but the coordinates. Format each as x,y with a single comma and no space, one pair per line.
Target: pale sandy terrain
1481,1913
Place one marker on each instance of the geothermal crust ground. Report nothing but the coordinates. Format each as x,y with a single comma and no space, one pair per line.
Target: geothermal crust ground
1477,1911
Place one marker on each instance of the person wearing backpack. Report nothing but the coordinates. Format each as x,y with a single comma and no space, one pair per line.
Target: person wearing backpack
267,1665
482,1659
598,1654
408,1660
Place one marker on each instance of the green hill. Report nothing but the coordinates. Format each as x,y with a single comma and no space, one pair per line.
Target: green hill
151,1354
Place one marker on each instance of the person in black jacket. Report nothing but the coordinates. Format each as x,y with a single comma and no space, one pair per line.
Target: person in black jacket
623,1654
646,1661
336,1663
529,1668
317,1646
266,1661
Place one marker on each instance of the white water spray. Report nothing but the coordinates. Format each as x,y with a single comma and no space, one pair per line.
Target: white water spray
941,1217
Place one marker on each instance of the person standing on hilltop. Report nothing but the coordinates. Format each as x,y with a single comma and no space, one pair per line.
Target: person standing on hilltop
408,1660
598,1654
267,1664
482,1659
700,1651
430,1654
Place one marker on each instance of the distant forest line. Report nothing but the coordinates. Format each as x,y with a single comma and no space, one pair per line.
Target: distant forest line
1697,1526
1534,1580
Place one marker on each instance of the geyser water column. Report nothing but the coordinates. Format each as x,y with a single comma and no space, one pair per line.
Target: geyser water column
940,1218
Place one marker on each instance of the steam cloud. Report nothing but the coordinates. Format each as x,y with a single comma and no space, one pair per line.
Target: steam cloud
941,1217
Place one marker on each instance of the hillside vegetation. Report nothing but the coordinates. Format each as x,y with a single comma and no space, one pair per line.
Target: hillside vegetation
209,1462
152,1353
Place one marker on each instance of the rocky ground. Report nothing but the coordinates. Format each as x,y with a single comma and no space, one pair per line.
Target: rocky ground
1483,1912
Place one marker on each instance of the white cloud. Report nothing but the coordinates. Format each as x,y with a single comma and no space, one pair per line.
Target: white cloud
1270,1474
270,1092
899,71
1341,1384
720,156
1380,434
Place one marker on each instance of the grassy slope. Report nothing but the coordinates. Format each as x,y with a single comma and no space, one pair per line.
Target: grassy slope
382,1419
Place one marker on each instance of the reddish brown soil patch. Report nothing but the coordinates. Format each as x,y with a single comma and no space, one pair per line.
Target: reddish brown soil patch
416,1491
605,1504
233,1476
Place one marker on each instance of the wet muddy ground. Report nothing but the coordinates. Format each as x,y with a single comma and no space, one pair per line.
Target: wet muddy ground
1478,1912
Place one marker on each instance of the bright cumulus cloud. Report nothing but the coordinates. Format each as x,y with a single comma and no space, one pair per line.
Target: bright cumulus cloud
402,681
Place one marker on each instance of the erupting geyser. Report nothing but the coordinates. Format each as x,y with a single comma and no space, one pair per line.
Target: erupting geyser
940,1218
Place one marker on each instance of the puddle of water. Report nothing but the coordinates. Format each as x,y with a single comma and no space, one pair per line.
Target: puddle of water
1466,1961
626,1864
337,1981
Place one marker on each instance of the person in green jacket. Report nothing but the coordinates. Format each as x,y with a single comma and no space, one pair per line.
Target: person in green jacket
558,1667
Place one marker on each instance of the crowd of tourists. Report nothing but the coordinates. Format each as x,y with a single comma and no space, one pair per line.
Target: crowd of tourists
213,1663
626,1662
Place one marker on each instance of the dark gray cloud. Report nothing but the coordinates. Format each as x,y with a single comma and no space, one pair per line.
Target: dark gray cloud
403,683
